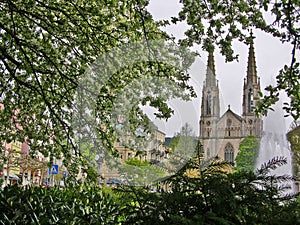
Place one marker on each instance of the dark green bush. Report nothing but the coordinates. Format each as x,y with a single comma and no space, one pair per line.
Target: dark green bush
72,205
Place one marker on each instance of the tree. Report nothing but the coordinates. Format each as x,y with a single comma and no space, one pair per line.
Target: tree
221,22
46,48
217,196
184,141
248,153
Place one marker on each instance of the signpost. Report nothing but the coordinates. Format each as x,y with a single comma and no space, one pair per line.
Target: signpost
53,171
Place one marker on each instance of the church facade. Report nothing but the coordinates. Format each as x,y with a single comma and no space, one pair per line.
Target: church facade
222,134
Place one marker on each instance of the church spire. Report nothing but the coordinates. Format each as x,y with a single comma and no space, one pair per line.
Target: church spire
210,106
211,70
251,68
251,84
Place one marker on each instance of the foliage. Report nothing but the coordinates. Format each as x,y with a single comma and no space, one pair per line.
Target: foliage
221,22
137,162
184,141
217,197
141,173
45,49
293,137
248,153
74,205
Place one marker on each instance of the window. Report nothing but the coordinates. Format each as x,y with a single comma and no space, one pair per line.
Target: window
129,155
229,153
208,104
229,122
250,100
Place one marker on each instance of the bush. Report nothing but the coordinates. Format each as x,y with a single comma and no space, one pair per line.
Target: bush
136,162
73,205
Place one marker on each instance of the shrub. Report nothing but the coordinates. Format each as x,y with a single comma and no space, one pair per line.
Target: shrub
84,204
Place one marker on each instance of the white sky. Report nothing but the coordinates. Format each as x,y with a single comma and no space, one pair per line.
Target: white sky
270,54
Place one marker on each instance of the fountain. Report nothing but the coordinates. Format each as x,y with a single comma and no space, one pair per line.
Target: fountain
274,142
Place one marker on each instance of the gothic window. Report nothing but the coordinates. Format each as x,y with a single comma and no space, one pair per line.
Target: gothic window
208,104
229,122
250,100
229,153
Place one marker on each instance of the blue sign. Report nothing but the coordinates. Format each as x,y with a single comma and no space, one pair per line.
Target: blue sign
64,173
53,169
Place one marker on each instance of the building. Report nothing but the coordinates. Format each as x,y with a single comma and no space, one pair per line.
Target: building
222,134
21,166
11,155
18,165
156,148
151,149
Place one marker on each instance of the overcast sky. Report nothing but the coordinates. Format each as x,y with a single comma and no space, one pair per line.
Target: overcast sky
270,54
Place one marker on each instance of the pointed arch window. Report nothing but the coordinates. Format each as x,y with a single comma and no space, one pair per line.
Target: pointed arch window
229,153
250,100
229,122
208,104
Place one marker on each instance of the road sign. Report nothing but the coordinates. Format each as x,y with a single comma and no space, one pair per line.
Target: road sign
64,173
53,169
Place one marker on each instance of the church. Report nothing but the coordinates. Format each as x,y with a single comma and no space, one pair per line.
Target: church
222,134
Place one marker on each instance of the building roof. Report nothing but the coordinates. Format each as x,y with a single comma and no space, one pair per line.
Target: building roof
229,111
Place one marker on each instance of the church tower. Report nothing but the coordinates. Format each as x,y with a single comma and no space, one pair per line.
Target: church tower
210,106
252,124
221,135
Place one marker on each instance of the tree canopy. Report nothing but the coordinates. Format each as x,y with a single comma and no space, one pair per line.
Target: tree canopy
47,46
184,142
248,153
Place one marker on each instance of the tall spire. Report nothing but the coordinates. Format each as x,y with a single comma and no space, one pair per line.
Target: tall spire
251,68
252,84
210,106
211,70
